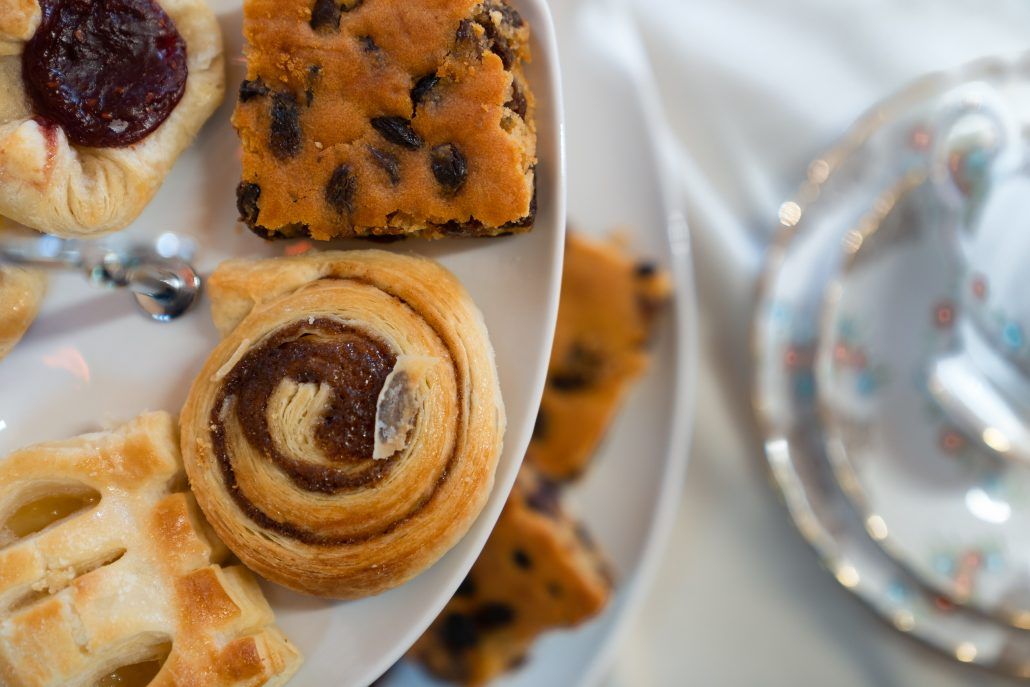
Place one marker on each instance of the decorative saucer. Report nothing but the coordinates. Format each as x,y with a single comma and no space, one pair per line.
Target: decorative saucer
876,163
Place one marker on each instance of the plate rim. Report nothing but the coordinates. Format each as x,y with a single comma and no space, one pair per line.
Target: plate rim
548,84
629,601
504,478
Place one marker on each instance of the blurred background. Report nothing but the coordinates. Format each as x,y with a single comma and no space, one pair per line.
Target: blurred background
753,90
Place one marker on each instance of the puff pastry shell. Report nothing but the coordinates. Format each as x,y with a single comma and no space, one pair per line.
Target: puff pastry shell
131,577
21,293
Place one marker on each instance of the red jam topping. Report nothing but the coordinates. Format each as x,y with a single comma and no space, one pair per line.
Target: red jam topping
108,72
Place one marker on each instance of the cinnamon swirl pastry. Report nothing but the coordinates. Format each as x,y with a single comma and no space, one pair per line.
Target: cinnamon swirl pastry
344,434
21,292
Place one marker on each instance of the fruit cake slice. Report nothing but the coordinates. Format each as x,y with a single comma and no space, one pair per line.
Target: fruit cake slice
539,571
385,118
606,317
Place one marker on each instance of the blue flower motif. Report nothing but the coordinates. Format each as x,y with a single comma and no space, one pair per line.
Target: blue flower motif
944,564
847,329
865,383
994,561
804,385
779,312
1012,335
897,592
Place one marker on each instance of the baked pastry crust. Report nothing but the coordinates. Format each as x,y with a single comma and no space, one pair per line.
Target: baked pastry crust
21,294
55,186
277,429
538,571
386,117
606,315
130,578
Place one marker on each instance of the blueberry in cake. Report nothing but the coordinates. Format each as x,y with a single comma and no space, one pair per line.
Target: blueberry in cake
385,118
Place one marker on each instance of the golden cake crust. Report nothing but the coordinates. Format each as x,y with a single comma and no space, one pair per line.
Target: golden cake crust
349,119
538,571
605,317
131,576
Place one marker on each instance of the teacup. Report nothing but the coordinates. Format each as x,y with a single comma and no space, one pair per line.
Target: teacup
982,176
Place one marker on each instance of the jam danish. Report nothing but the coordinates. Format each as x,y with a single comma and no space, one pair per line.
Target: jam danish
344,434
111,576
21,293
100,98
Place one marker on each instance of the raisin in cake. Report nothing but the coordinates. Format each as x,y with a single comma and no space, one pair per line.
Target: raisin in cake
385,118
605,317
539,571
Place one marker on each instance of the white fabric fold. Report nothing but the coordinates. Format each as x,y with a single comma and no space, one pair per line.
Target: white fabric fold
753,90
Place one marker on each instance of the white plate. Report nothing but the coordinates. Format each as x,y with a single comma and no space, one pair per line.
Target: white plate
91,360
618,178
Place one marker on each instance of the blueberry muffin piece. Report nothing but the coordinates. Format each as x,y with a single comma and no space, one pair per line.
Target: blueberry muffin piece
385,118
539,571
605,319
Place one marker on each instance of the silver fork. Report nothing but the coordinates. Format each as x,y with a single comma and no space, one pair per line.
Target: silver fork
159,275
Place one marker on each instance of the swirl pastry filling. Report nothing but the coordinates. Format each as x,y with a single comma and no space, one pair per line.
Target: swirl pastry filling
345,433
312,400
310,391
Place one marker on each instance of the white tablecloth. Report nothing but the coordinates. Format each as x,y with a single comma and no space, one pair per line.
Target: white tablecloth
753,90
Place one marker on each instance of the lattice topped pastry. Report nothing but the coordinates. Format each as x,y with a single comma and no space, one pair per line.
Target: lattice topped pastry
109,574
99,99
386,117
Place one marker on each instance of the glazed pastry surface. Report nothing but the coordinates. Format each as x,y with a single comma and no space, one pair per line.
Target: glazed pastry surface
106,563
21,294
